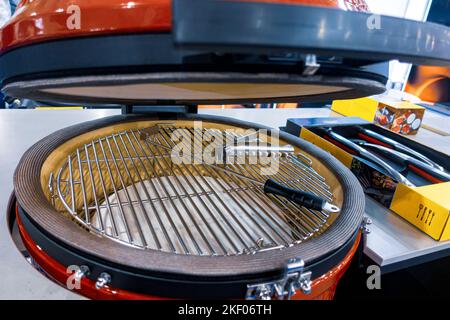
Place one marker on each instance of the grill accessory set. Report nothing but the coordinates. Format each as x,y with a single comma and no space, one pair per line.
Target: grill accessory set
410,159
373,137
355,149
422,166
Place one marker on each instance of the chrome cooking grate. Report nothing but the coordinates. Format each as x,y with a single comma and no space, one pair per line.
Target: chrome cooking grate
128,189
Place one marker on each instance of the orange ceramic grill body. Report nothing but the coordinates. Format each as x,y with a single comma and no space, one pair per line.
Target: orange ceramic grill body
38,21
322,288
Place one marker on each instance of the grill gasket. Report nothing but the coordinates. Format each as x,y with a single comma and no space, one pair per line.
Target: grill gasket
33,200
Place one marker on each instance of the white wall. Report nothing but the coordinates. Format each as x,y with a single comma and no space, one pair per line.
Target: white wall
409,9
388,7
5,11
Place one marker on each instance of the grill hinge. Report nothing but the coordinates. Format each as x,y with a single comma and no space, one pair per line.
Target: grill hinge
294,279
365,225
161,110
311,65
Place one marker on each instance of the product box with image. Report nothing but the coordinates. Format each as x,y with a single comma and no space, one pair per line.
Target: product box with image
401,117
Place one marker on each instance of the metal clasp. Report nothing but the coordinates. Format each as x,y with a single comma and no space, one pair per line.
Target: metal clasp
103,280
311,65
365,225
295,279
82,272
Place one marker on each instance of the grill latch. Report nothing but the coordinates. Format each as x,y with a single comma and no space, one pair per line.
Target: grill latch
294,279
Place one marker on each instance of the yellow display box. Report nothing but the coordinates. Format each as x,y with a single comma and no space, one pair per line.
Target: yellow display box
401,117
426,207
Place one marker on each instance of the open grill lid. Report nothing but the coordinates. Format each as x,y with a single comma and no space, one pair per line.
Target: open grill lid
199,52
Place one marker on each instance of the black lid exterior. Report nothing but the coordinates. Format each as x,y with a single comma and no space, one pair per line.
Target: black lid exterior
233,52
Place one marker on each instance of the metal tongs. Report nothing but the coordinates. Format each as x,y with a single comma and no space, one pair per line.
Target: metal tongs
355,149
375,138
424,170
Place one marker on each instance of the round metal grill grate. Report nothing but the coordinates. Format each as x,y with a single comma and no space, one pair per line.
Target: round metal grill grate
127,187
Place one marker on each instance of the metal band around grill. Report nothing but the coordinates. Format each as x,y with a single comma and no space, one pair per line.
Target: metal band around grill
298,274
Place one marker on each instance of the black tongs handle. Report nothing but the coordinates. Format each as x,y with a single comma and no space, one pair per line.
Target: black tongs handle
303,198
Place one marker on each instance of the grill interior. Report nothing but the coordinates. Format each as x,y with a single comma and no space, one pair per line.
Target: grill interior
126,186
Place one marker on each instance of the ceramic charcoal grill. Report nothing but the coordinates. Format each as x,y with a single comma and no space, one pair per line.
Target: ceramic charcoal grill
107,189
110,198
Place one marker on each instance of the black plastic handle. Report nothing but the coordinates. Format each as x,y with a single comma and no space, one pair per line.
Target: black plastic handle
305,199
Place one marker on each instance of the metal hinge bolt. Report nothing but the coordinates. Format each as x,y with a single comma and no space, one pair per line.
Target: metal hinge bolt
82,272
264,293
103,280
311,65
305,282
365,225
295,279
